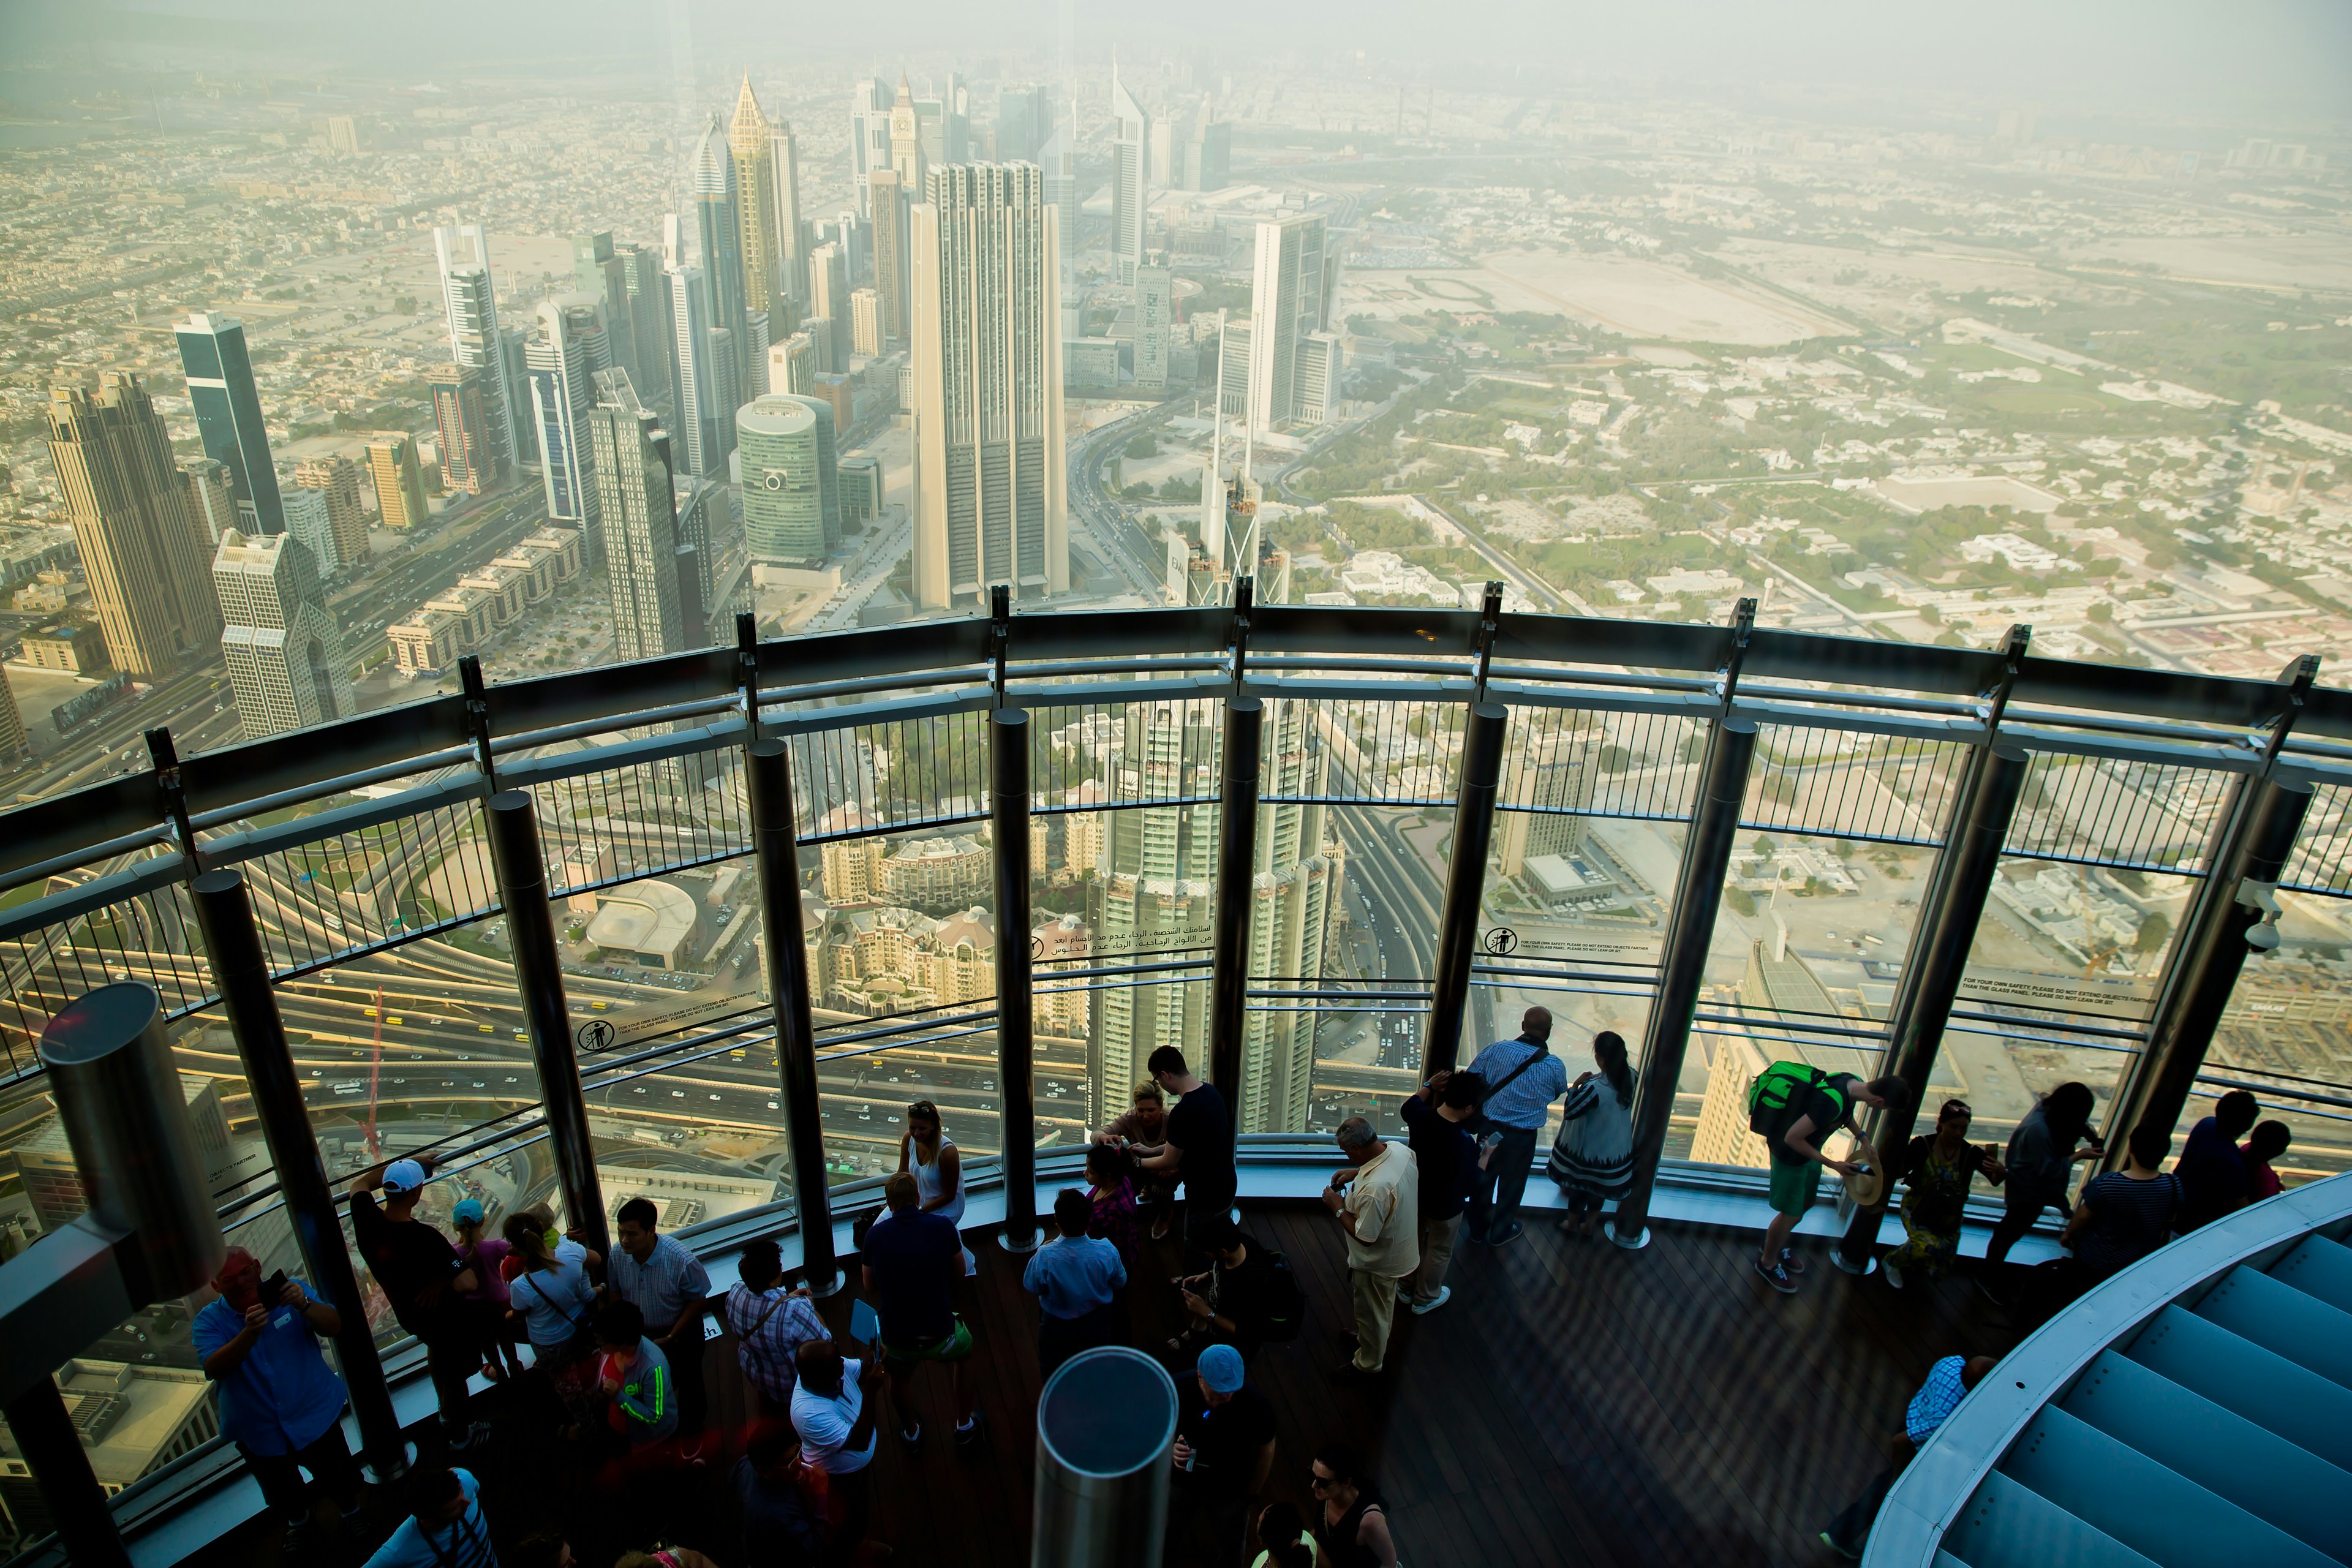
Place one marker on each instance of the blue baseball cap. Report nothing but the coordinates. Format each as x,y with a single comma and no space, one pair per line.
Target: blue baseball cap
402,1176
468,1212
1221,1369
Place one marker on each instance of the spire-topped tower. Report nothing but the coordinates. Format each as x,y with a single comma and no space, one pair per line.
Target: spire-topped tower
751,140
907,143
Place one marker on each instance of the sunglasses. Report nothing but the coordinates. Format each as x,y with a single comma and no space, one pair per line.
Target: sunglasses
1319,1482
1958,1108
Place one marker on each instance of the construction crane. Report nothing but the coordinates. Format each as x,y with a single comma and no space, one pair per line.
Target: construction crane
375,1068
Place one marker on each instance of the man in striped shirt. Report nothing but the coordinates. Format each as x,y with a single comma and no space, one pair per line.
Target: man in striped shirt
771,1324
668,1283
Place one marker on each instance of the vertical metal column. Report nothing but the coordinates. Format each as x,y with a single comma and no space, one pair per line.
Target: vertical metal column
1974,855
776,849
241,972
1237,813
1698,891
52,1449
1008,815
2213,950
1465,883
539,971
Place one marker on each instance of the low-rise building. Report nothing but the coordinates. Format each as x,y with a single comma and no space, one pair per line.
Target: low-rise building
76,646
455,622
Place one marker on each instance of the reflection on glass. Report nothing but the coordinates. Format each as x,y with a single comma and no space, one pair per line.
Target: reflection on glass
2286,1038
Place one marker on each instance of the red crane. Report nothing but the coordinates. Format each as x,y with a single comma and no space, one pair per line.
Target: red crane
375,1064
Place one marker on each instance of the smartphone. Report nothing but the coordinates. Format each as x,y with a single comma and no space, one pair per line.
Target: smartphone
273,1287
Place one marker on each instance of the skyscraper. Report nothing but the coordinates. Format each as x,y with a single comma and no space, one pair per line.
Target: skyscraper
470,297
459,417
399,486
564,358
1023,117
906,159
990,476
212,499
308,524
648,303
639,509
697,445
828,465
1285,304
783,483
228,412
866,322
719,232
1291,893
1130,172
140,549
870,132
791,228
597,268
888,217
338,479
284,653
748,138
1154,303
1208,154
829,298
14,743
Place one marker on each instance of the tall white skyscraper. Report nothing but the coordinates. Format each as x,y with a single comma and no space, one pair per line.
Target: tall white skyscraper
470,297
791,225
570,347
829,278
697,387
990,476
1154,304
1285,304
1130,172
870,132
639,506
285,656
1060,160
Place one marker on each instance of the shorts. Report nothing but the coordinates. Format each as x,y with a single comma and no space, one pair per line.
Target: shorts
951,1347
1794,1186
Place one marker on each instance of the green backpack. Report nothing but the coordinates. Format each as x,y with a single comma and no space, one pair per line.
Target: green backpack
1780,1089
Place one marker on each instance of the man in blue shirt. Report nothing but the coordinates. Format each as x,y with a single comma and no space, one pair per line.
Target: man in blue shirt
280,1403
1076,1279
662,1279
1526,1077
444,1527
911,1260
1949,1382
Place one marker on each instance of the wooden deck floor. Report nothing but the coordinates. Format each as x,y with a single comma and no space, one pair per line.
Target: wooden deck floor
1573,1403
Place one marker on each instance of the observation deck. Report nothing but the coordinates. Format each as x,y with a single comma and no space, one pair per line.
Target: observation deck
1990,872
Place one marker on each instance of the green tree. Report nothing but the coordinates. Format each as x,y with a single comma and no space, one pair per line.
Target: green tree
2154,931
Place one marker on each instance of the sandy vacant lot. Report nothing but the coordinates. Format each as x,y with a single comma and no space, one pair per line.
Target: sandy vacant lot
1977,489
1895,288
1639,298
2275,260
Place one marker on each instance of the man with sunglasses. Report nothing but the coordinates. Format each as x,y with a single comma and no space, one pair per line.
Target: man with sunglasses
1939,1166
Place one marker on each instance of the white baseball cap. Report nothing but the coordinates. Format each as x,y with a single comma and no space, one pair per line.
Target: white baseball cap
402,1176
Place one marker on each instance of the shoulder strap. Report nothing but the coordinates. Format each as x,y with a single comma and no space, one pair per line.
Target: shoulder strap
1541,1052
762,1321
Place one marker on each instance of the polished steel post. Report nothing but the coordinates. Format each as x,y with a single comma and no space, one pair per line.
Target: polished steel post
1008,815
1465,883
1237,814
775,848
539,971
1973,856
2213,949
241,973
1698,891
1105,1425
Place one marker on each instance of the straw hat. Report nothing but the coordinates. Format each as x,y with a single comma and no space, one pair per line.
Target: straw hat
1868,1185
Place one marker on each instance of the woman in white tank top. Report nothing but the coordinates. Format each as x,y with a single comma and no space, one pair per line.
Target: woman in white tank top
931,1155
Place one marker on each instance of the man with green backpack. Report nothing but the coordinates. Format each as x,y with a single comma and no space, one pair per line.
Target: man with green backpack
1796,1106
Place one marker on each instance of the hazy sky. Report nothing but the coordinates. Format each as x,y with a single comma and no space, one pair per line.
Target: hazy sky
2196,57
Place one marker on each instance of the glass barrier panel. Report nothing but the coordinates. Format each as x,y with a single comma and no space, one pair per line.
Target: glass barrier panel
2286,1037
1366,999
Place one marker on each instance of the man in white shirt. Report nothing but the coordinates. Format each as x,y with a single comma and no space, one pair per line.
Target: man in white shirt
1378,1199
833,1410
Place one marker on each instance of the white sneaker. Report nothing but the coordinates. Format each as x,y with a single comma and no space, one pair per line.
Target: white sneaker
1444,1294
1893,1271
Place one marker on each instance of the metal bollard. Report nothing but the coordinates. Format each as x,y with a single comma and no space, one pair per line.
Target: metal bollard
1105,1427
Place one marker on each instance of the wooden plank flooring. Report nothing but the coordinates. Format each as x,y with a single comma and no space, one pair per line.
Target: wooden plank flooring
1573,1403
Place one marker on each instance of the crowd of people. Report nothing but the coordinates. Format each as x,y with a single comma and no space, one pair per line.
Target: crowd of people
615,1344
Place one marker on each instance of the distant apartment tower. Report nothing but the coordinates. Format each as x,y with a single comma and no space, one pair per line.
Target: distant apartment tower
649,335
639,511
337,481
1023,117
597,268
212,499
1154,306
888,223
228,412
308,525
1059,159
399,483
343,135
791,364
1287,303
783,480
470,297
1209,155
285,657
869,133
698,443
14,743
866,322
1130,172
142,552
990,471
564,358
463,425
